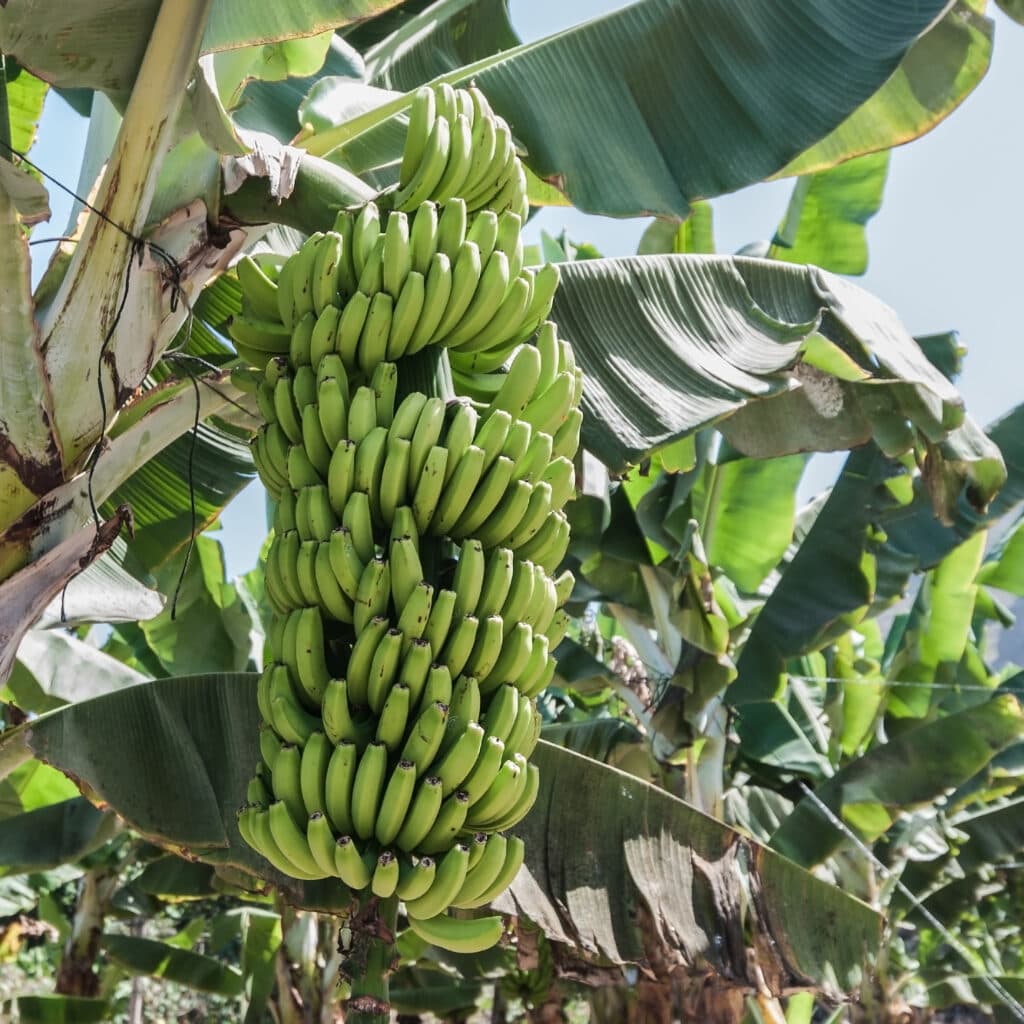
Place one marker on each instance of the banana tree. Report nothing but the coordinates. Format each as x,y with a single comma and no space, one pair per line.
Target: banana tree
210,125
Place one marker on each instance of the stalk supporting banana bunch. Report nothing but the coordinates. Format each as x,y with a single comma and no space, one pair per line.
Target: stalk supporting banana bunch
416,541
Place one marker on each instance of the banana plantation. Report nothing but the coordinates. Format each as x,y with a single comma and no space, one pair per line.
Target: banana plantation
554,691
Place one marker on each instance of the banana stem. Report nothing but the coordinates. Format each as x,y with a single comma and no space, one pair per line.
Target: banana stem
372,957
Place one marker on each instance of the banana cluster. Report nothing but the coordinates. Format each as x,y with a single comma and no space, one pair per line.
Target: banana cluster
368,292
457,146
416,540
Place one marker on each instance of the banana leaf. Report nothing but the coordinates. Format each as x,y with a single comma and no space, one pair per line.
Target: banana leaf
914,767
59,834
784,358
160,960
662,858
651,83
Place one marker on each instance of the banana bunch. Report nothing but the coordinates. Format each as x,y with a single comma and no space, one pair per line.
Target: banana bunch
457,146
412,571
375,289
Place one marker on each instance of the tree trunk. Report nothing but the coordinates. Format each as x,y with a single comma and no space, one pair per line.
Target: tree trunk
77,974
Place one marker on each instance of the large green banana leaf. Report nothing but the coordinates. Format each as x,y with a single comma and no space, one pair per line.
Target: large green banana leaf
784,358
653,83
147,956
173,758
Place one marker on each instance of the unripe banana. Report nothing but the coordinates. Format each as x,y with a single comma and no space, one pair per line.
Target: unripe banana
448,880
503,520
360,660
366,233
357,521
460,758
422,814
415,879
422,114
258,290
320,840
385,875
449,823
497,582
415,613
502,711
430,169
460,935
367,788
486,769
423,237
468,580
406,569
524,802
451,228
350,329
349,864
339,723
395,803
442,613
508,785
514,855
521,739
362,413
415,671
438,686
286,781
291,840
341,772
301,340
482,874
373,593
316,756
425,737
379,687
332,597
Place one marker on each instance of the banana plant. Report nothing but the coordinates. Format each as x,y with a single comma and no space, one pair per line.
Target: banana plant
210,126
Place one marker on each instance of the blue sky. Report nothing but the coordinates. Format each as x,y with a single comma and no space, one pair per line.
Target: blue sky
944,250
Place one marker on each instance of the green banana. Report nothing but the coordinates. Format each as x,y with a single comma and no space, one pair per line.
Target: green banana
425,435
341,475
459,644
503,520
460,935
406,314
422,114
514,854
395,803
510,663
458,491
350,329
346,564
451,228
566,441
357,674
438,686
286,781
415,670
497,582
341,771
437,290
316,756
429,170
519,385
385,875
466,270
310,655
425,736
468,580
301,472
487,647
291,840
415,613
422,814
301,340
460,758
530,789
501,795
338,721
501,713
406,569
362,413
321,341
482,875
442,613
486,498
287,716
449,822
520,737
429,487
415,878
365,233
259,291
537,513
320,840
373,342
367,788
379,688
486,769
397,253
349,864
448,880
423,237
358,519
333,598
373,593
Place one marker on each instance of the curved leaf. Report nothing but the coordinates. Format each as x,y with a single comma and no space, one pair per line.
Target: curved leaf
661,854
937,74
627,132
914,767
827,213
147,956
45,838
659,871
669,344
